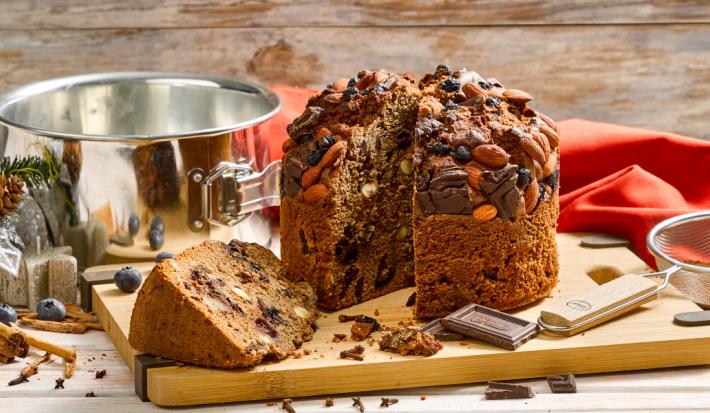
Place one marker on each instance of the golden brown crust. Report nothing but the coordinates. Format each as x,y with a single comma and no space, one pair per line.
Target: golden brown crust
221,305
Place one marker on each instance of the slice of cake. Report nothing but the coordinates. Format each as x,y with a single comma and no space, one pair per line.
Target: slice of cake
485,204
347,189
222,305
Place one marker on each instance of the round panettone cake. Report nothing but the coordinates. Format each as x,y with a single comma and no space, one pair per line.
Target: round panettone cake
451,185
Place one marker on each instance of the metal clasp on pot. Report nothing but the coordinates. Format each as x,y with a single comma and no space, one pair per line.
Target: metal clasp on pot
230,192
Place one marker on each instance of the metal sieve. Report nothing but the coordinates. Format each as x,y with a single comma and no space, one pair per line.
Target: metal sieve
681,246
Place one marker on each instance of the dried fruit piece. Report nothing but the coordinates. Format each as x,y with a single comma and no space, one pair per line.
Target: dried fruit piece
474,176
491,155
485,212
551,134
550,165
315,193
533,149
517,96
310,177
532,192
331,155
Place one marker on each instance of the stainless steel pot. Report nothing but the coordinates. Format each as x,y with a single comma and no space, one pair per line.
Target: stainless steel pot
191,150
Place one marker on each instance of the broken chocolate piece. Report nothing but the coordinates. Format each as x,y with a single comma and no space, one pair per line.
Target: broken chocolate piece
388,402
439,332
491,326
412,299
562,384
505,391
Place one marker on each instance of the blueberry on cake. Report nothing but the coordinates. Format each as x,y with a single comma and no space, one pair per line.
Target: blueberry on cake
346,209
222,305
450,184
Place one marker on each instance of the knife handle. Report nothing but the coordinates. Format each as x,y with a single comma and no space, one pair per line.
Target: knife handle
573,311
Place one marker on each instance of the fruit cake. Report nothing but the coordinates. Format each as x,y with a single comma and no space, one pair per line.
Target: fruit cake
486,172
454,179
347,188
222,305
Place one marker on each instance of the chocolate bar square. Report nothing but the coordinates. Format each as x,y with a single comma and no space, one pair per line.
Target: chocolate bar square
492,326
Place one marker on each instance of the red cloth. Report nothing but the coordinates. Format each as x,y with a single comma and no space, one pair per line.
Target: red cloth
615,179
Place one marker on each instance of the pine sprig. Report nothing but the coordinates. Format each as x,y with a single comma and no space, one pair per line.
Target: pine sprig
32,170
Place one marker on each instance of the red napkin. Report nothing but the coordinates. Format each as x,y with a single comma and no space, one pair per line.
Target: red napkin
615,179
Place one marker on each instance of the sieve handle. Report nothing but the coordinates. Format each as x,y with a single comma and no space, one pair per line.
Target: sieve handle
600,304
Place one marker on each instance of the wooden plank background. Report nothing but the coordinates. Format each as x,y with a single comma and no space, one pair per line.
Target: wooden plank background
628,61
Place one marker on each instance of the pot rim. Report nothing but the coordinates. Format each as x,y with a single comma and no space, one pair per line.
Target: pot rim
7,99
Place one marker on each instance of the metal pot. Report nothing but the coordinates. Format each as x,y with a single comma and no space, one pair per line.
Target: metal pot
190,150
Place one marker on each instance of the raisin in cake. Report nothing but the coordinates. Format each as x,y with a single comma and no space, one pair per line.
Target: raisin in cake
222,305
485,204
478,192
347,188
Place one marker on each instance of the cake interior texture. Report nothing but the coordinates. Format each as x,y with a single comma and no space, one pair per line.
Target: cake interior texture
222,305
450,184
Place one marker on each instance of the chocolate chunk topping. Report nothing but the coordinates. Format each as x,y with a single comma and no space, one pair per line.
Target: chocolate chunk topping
292,172
500,188
447,194
299,128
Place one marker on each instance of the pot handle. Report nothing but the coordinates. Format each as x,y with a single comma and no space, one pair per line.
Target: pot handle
230,192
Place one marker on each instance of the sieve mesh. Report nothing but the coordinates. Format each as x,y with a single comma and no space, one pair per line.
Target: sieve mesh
685,241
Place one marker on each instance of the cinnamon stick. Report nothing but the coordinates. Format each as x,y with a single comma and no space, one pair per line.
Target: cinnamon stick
12,344
68,355
55,326
31,369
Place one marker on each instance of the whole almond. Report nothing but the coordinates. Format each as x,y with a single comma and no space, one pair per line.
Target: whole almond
532,193
315,193
310,177
550,165
321,132
340,85
485,212
331,155
517,96
288,145
364,82
471,90
533,149
537,170
474,176
378,77
544,144
551,123
551,135
333,98
491,155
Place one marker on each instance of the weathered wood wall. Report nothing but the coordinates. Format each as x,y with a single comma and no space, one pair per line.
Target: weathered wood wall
626,61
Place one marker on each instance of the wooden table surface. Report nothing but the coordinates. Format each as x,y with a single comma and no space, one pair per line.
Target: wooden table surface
680,389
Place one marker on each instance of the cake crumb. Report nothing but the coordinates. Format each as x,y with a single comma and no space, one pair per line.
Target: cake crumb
360,331
422,397
338,337
329,402
377,312
410,341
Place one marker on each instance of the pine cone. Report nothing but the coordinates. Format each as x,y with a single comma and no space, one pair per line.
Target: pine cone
12,190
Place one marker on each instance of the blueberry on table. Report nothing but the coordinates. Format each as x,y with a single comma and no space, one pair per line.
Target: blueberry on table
163,256
51,309
127,279
7,314
157,225
134,224
157,239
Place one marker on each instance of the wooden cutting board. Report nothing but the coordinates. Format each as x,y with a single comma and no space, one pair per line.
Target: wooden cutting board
642,339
